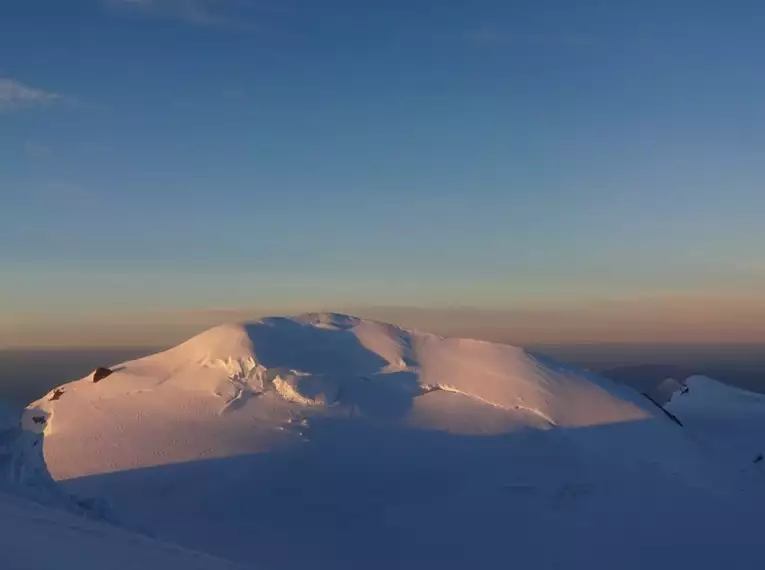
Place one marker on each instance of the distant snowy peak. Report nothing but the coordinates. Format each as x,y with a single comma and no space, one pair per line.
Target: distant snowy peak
328,359
246,388
346,436
701,393
728,419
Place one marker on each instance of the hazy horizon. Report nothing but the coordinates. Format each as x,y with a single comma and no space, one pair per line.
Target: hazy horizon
671,320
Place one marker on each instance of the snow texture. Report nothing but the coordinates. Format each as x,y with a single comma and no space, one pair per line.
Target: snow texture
327,441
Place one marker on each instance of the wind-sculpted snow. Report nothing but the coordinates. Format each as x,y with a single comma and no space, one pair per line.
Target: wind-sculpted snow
334,442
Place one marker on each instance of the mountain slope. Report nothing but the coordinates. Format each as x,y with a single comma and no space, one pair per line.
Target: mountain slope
43,528
729,421
342,443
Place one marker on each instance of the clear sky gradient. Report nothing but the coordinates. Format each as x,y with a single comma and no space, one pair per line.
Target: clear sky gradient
173,157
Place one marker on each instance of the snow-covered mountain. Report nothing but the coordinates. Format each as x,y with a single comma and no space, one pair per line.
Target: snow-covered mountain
335,442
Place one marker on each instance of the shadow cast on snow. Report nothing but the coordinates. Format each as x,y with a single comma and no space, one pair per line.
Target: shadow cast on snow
360,495
284,343
364,387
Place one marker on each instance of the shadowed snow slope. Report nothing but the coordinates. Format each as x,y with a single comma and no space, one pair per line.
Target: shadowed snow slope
342,443
40,537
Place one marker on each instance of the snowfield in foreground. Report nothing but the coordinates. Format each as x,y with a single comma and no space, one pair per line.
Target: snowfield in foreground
39,537
326,441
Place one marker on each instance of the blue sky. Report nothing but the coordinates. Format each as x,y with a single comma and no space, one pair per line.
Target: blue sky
195,154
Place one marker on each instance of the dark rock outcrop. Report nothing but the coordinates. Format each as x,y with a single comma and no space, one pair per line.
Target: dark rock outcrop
101,373
57,393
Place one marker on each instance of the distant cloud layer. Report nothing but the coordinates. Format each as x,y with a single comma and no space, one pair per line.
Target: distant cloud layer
17,95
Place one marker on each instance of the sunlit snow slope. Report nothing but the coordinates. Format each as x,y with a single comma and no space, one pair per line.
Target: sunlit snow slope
334,442
41,528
